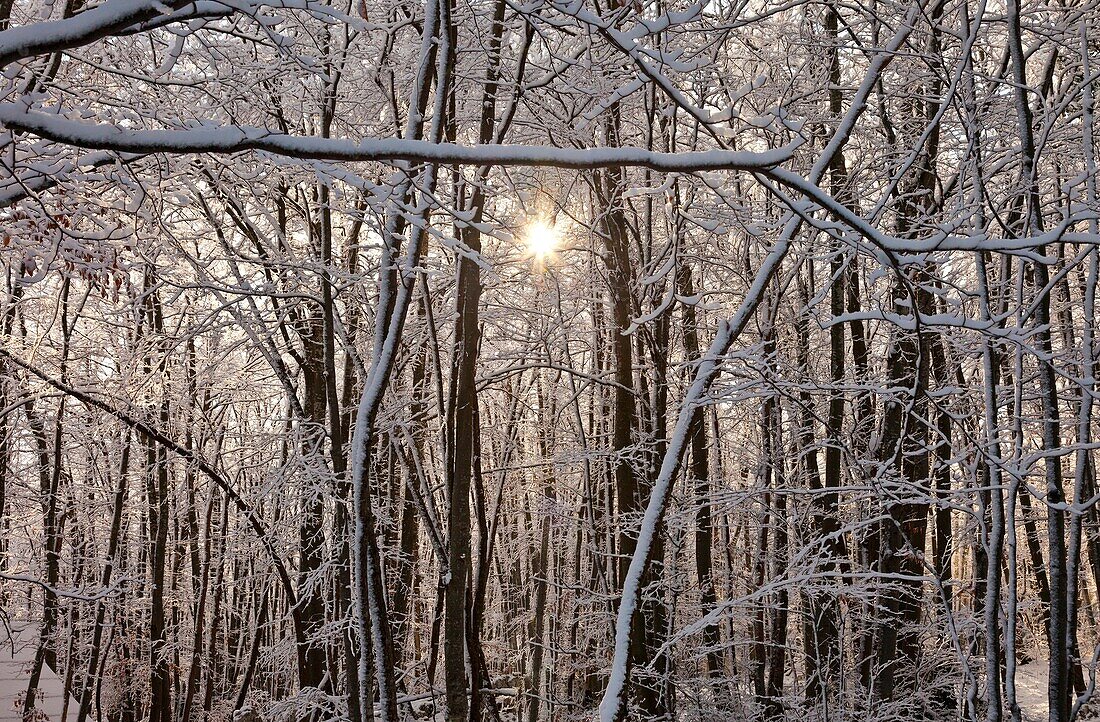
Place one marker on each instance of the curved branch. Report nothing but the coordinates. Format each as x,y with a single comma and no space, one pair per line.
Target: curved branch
204,466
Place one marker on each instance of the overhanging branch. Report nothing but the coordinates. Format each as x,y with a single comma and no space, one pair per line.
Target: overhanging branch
236,139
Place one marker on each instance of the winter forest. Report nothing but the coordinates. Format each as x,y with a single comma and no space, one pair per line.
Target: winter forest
549,360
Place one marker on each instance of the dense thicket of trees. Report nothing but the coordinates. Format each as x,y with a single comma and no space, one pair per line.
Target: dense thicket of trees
548,360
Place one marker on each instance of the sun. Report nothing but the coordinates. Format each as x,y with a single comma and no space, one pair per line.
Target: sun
542,239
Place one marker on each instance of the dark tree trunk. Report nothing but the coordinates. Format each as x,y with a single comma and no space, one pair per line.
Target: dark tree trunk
700,472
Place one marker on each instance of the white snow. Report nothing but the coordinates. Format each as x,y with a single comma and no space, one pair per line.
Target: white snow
17,649
1031,690
233,139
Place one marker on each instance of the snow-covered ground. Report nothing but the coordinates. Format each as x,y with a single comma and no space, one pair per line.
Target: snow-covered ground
1031,690
17,648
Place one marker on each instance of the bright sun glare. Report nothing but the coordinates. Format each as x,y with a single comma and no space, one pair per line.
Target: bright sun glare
542,239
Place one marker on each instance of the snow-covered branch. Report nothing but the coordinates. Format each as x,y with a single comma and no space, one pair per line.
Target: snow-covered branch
103,136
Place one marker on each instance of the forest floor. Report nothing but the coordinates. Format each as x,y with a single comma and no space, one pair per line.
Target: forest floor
17,647
1031,690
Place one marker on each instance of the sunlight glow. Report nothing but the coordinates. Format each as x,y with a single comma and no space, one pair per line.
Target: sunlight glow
542,239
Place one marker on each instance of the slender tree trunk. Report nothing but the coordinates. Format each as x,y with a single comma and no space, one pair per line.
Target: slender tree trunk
1058,685
777,519
156,492
700,472
540,565
821,635
91,677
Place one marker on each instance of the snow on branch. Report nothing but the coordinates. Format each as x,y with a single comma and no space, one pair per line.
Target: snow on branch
46,175
110,18
235,139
